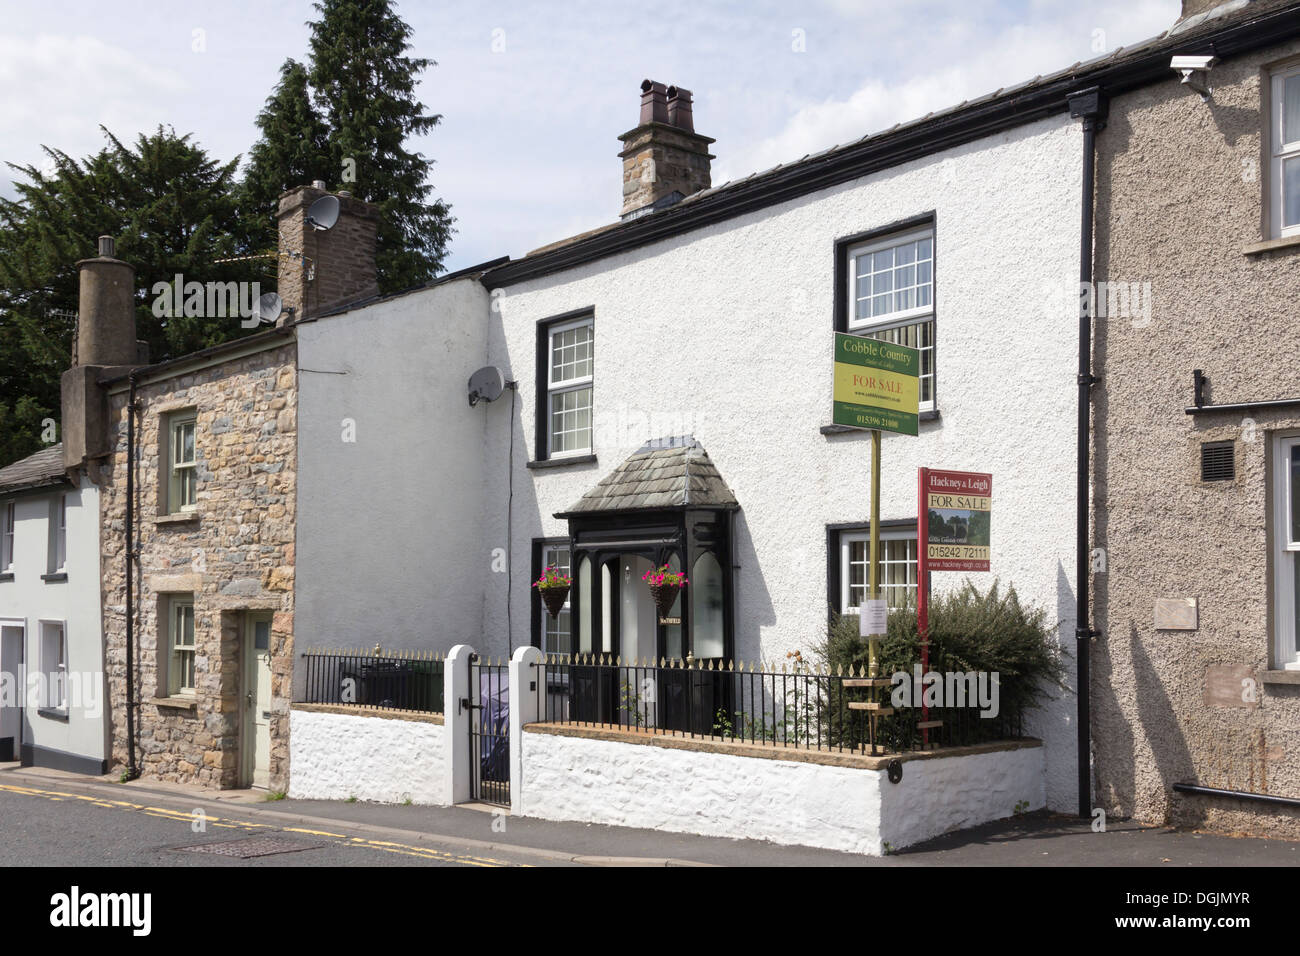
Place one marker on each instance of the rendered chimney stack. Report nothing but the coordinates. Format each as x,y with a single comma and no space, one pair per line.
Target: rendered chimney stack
664,159
105,345
324,269
106,309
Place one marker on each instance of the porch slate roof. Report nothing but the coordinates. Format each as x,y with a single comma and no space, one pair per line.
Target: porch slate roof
43,468
664,473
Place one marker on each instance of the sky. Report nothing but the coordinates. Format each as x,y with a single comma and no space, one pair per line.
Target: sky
533,95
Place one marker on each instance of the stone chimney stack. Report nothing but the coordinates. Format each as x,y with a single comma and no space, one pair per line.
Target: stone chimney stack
664,159
322,269
105,344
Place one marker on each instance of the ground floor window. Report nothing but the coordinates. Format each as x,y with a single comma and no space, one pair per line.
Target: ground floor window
1286,510
54,666
897,567
180,668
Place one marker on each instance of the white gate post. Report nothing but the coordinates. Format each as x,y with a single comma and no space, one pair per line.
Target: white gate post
456,722
524,677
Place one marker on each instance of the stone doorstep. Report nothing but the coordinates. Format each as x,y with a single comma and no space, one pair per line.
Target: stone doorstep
357,710
770,752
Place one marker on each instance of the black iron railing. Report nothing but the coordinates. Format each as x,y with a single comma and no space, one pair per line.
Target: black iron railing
800,707
385,680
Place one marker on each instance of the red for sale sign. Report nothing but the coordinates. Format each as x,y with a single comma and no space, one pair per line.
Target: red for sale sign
955,514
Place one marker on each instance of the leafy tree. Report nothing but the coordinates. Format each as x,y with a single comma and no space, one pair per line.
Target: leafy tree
292,151
364,85
172,210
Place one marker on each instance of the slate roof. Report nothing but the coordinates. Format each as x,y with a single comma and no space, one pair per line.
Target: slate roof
664,473
35,471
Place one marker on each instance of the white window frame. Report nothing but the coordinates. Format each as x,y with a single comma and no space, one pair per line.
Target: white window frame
58,562
175,422
1286,552
564,386
900,318
548,551
175,650
54,668
8,520
847,538
1279,152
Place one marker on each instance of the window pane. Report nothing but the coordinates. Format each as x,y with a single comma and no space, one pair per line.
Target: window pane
1291,191
706,607
1291,109
893,280
1295,494
571,354
921,338
585,618
571,420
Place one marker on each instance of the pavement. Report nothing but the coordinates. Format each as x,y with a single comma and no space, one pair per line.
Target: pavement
148,822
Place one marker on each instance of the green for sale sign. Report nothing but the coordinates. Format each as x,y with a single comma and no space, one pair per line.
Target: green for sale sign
877,385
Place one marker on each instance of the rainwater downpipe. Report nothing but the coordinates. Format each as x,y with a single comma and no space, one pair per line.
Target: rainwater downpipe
1089,105
132,770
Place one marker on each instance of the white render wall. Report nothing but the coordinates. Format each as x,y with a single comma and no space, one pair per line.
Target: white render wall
726,333
389,546
784,801
76,602
337,756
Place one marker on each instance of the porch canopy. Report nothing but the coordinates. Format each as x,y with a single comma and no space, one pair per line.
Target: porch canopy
666,504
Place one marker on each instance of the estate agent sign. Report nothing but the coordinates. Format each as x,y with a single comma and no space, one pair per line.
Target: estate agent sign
955,516
876,384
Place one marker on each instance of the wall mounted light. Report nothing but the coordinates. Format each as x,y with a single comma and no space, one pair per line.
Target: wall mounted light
1195,71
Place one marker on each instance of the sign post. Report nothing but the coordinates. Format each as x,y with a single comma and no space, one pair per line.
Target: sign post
952,516
876,388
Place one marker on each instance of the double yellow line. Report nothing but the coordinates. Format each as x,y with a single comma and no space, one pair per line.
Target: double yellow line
182,816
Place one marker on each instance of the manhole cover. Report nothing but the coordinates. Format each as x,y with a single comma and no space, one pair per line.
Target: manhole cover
249,847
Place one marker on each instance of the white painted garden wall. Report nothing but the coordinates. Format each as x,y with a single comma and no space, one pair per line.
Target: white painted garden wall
726,333
784,801
387,760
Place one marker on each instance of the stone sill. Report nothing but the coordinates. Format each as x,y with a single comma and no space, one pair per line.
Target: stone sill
931,416
181,702
1270,245
52,714
181,517
6,576
1282,677
358,710
54,577
717,745
561,462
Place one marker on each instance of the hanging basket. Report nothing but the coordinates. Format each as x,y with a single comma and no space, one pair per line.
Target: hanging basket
665,596
554,599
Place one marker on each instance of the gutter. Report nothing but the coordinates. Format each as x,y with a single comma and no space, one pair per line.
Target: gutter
1091,106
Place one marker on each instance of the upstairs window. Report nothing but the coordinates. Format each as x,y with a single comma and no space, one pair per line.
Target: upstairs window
1284,177
890,296
182,477
569,357
58,560
7,518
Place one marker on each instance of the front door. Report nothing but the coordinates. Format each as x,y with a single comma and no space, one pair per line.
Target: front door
12,683
256,751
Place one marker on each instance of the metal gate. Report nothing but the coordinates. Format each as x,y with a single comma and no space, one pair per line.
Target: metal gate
489,731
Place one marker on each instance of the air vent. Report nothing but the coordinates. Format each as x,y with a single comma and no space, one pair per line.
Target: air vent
1218,461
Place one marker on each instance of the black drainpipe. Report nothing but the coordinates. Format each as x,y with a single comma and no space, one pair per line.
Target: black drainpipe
1090,106
132,771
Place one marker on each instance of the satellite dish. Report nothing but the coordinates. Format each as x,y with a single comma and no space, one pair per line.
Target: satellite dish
486,385
269,307
324,212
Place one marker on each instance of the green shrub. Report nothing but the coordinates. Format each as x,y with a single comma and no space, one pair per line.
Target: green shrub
970,630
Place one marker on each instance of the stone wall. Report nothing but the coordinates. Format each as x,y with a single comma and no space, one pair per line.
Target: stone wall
1180,194
236,553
